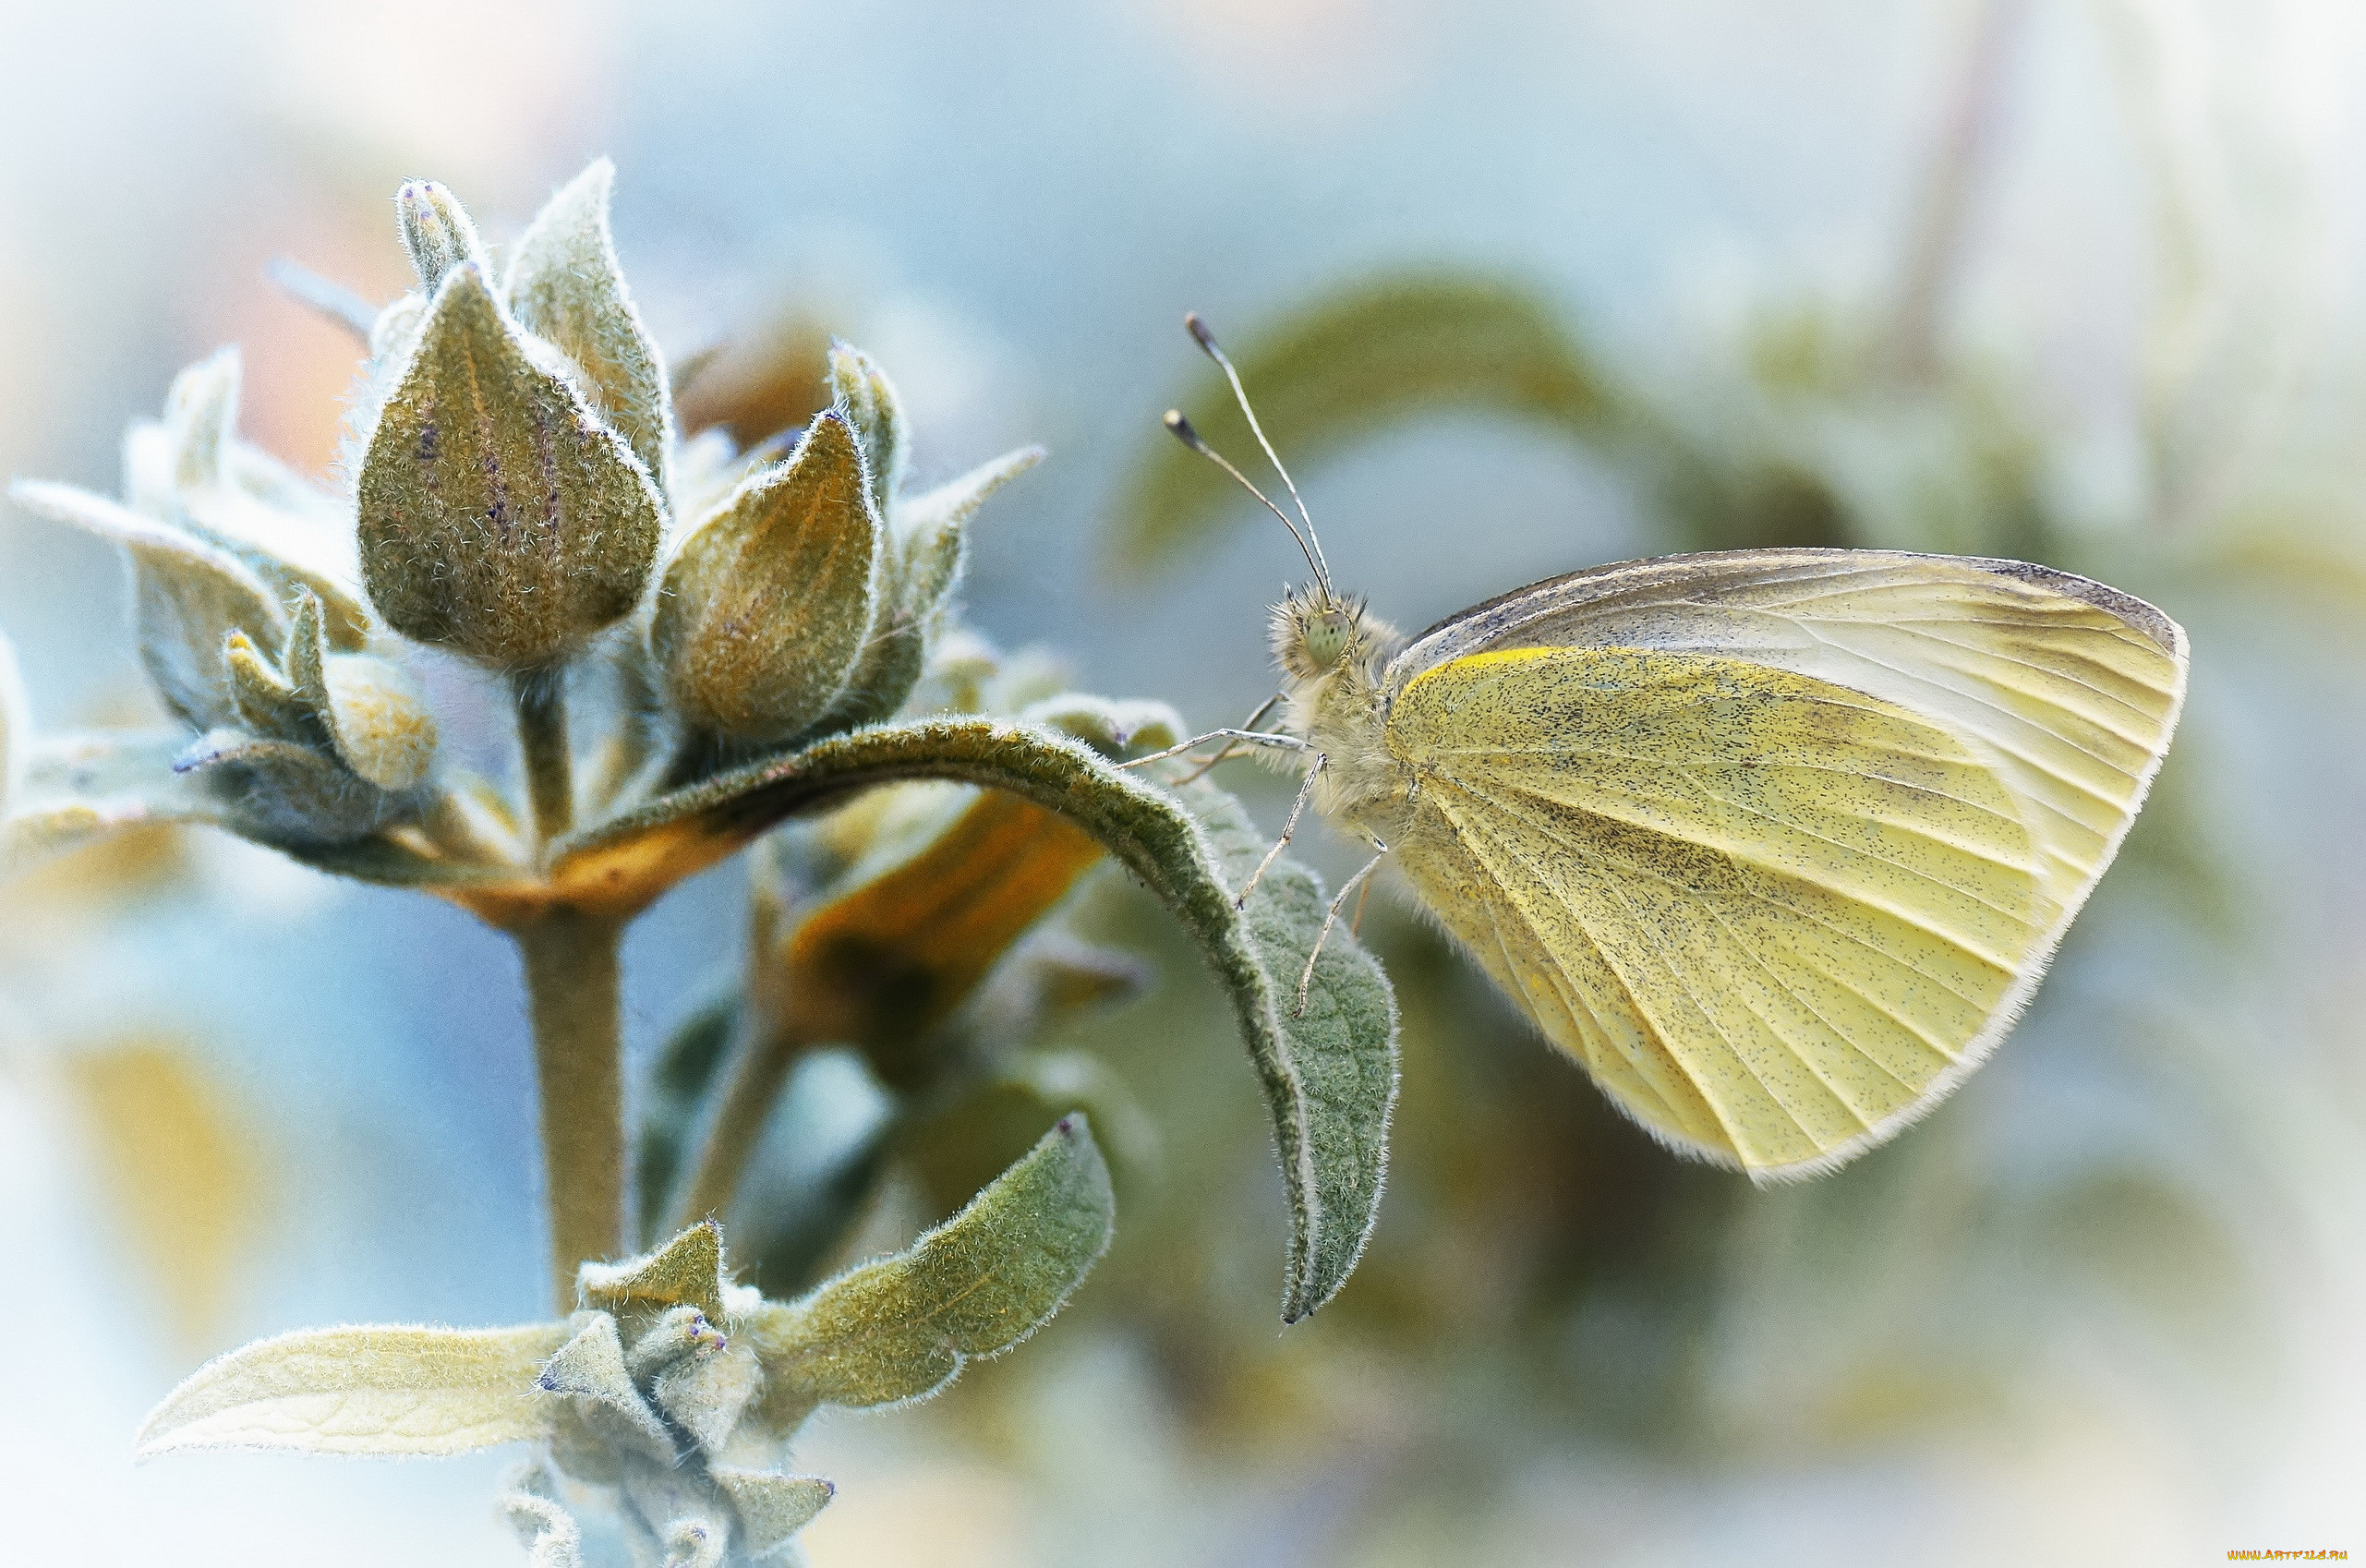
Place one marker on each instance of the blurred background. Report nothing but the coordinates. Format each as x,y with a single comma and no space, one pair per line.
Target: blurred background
1531,287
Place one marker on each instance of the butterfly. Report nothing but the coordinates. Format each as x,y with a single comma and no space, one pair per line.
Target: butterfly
1776,843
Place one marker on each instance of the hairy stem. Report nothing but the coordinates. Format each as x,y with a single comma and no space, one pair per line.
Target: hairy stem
571,983
541,698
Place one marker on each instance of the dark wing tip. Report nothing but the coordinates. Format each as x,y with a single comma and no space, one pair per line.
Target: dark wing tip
2126,608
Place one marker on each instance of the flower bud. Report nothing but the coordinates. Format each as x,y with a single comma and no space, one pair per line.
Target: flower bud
498,516
768,604
436,232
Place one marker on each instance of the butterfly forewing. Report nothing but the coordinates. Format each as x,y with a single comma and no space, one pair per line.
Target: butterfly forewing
2069,689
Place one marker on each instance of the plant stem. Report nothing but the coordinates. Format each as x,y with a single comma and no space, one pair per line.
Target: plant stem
571,983
541,698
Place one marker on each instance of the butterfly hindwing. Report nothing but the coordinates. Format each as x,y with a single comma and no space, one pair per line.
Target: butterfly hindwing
1776,917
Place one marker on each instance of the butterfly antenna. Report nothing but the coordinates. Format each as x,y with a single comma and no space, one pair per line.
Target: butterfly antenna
1191,437
1207,342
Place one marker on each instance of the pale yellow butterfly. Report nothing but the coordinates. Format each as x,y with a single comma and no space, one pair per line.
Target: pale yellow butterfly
1776,843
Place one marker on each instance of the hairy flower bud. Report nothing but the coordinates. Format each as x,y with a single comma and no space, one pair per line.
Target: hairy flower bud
768,604
498,516
437,232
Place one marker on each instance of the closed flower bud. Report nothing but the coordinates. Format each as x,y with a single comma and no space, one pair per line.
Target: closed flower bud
768,604
498,516
436,232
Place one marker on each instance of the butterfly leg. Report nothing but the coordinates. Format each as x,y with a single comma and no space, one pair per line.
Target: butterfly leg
1252,737
1225,750
1289,827
1330,918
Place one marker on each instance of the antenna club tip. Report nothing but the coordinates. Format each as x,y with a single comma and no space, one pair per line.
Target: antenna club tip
1181,427
1198,328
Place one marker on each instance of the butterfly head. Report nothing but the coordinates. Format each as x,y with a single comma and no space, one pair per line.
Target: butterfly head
1315,631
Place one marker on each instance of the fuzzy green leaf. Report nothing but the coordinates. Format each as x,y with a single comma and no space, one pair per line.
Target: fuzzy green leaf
1329,1074
498,516
1336,373
772,1508
377,1390
768,603
1332,1082
189,596
567,288
900,1329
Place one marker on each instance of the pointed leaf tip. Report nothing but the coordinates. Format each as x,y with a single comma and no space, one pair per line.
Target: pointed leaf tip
901,1328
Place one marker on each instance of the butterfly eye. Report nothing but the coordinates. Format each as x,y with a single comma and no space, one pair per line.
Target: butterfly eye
1326,637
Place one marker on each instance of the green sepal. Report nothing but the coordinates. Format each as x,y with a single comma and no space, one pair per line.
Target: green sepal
928,545
289,795
900,1329
498,516
1115,728
767,604
200,412
567,288
436,233
188,595
371,712
772,1508
267,703
376,1390
589,1369
932,529
867,400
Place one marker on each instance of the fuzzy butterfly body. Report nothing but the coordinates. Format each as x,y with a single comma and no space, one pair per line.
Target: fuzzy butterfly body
1776,843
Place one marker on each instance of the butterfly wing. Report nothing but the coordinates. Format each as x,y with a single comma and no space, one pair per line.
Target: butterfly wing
2067,688
1777,914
